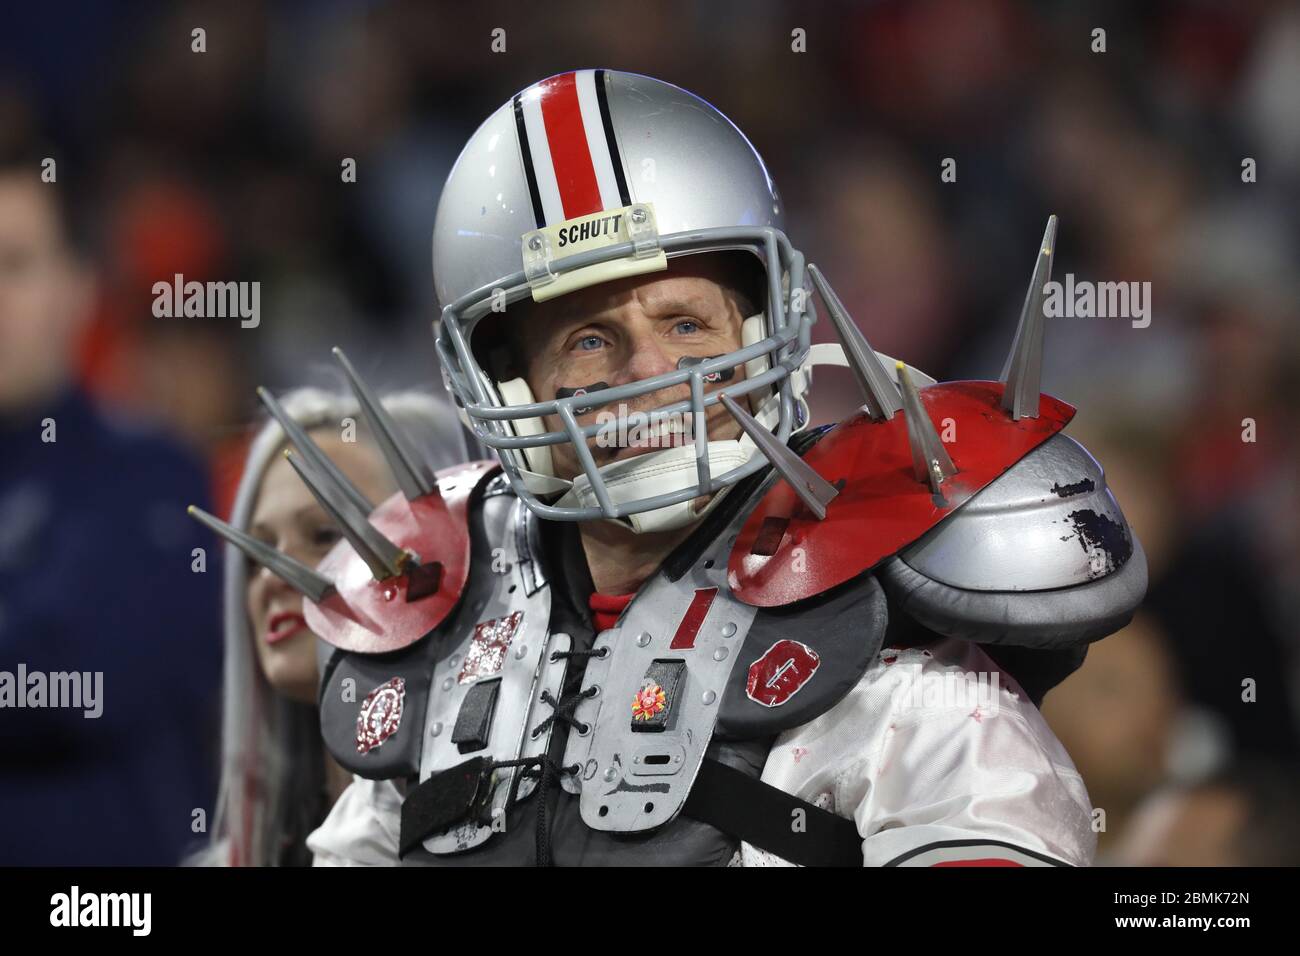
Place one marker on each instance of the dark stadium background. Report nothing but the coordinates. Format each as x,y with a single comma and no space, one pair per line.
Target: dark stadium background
226,165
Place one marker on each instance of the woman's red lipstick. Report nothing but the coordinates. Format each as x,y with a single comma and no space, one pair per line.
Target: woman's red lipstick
284,625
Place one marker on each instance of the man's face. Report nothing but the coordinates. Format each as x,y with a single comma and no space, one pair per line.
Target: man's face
43,295
623,332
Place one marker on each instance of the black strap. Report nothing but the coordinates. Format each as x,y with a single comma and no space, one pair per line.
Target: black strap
758,813
442,801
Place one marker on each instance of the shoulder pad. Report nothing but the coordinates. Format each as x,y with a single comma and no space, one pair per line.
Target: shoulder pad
1042,557
832,637
784,554
376,617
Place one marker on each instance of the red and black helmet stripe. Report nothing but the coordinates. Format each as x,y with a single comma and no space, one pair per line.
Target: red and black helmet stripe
568,147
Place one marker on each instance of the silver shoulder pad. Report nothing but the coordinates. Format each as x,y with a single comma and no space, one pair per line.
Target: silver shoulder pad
1041,557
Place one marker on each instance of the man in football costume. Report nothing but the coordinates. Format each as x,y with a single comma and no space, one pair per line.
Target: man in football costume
674,624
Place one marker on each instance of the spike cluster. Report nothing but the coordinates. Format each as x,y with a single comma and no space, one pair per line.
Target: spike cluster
879,393
1022,373
345,504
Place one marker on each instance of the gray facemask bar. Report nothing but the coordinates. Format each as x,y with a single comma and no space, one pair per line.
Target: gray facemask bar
787,347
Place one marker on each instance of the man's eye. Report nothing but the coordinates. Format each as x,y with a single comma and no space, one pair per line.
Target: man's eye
687,327
589,343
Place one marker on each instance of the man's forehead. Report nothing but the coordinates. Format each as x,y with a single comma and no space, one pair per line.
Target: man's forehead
657,292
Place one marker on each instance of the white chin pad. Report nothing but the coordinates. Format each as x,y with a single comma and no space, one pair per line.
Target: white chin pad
654,473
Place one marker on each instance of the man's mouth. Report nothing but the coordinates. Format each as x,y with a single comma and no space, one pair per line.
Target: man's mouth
284,625
643,438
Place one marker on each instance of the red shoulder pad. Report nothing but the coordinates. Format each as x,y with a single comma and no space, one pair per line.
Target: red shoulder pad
375,617
784,554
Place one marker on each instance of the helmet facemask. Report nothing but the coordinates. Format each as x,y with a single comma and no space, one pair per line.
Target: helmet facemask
654,490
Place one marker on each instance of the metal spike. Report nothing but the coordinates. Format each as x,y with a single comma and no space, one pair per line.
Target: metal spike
881,394
814,490
930,461
385,559
413,479
1022,373
311,584
312,453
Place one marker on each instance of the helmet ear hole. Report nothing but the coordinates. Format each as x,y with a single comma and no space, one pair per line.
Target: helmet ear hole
538,459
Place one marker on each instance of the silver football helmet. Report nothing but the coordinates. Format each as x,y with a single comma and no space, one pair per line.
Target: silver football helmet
597,175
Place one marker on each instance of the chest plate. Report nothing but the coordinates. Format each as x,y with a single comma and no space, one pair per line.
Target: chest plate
661,686
493,665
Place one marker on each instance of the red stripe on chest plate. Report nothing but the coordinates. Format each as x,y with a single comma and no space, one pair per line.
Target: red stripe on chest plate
693,618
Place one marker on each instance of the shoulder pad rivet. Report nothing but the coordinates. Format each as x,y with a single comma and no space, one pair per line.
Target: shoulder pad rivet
709,697
448,684
521,652
436,729
643,639
720,654
728,630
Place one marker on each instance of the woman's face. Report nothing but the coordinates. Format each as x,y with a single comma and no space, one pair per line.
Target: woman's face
289,519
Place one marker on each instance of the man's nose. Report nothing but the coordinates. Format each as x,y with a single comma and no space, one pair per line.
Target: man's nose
646,358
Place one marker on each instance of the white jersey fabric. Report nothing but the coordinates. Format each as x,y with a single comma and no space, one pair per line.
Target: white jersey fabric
938,756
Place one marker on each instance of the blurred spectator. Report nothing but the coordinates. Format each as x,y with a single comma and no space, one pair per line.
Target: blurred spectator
1123,720
226,165
1243,816
96,579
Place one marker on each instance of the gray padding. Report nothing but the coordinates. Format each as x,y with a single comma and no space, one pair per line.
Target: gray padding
1048,522
1061,617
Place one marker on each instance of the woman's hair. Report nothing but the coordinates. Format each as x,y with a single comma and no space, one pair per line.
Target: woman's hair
272,757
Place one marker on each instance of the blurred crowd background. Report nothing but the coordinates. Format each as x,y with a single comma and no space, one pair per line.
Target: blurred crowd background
225,165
